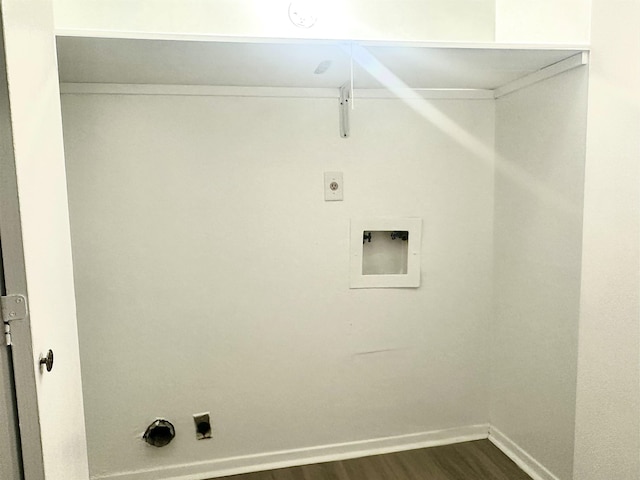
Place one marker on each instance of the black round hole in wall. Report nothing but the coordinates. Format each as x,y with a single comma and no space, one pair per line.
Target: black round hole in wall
159,433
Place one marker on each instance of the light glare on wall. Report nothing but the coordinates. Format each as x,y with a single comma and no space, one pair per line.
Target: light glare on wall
303,13
332,14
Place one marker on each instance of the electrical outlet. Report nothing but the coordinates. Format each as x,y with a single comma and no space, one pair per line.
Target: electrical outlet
333,186
203,425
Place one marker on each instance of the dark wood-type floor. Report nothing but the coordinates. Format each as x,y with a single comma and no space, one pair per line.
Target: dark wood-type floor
479,460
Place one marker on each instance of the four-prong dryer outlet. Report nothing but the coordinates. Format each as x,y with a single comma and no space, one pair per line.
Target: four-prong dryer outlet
333,186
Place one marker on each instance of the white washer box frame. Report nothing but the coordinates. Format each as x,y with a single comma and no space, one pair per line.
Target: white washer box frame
409,280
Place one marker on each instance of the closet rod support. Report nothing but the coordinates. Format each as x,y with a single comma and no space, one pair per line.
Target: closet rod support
345,100
549,71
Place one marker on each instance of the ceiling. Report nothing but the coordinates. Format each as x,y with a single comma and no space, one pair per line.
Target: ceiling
172,62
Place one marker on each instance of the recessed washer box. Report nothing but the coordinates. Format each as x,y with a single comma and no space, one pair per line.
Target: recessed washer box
385,252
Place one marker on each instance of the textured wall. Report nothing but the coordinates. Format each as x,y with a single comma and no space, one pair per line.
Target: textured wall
608,407
543,21
212,276
411,20
540,144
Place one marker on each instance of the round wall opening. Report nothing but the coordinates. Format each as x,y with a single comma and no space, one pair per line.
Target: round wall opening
159,433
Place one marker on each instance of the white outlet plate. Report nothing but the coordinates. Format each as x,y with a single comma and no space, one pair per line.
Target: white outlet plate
333,186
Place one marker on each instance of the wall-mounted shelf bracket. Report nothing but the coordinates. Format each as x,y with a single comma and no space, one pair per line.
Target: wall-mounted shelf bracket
549,71
345,101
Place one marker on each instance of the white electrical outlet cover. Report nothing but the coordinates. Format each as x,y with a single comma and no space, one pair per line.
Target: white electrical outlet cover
333,186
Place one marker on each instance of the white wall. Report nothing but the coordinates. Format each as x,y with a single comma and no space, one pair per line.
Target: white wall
540,143
212,276
503,21
412,20
608,407
543,21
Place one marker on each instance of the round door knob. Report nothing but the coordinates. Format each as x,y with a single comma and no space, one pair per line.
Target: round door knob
47,360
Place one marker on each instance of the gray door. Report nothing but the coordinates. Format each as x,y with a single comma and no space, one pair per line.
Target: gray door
10,461
10,464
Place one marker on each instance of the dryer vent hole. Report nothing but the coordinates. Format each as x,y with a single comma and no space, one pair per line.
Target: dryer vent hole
159,433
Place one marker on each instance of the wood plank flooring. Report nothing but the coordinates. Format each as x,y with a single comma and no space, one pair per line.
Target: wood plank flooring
479,460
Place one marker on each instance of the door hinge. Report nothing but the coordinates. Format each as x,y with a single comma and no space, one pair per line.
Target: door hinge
12,307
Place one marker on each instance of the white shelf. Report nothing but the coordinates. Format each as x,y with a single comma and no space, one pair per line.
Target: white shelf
270,64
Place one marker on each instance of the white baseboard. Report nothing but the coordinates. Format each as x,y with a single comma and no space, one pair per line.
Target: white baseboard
520,457
304,456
